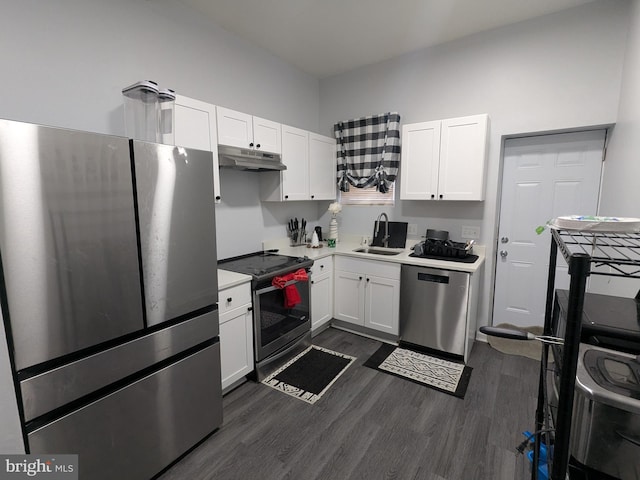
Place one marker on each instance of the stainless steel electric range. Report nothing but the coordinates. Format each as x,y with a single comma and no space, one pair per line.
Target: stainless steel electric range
281,326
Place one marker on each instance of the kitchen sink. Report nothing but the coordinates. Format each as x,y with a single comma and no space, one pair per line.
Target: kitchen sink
379,250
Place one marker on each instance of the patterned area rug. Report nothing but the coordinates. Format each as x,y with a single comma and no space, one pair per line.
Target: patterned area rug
434,372
310,374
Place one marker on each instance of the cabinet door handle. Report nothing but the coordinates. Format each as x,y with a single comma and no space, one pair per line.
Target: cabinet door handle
312,197
251,144
441,196
359,278
286,196
312,282
249,309
258,145
433,196
321,266
217,197
368,279
229,300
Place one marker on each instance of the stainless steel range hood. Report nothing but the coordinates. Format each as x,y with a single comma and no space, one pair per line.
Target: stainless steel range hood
247,159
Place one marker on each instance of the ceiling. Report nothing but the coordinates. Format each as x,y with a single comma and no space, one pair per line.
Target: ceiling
328,37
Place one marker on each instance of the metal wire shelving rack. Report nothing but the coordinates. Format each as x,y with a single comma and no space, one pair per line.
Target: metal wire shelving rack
586,253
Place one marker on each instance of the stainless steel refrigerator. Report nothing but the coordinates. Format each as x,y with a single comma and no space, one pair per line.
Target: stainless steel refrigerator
109,296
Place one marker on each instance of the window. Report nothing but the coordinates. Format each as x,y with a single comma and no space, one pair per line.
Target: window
368,196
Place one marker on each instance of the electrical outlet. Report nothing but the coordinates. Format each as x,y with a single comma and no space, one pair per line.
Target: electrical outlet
471,232
412,229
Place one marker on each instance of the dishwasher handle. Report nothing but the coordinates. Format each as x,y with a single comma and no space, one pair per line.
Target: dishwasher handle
430,277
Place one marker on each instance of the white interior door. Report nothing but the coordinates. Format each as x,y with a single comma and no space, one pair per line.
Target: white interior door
544,177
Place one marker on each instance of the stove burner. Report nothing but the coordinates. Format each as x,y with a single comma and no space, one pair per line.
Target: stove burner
264,264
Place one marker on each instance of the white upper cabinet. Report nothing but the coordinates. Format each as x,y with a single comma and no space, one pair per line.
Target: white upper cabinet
242,130
322,167
463,152
195,127
311,168
234,128
445,159
267,135
420,160
295,155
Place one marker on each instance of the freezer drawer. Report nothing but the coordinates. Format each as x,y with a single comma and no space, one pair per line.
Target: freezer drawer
433,308
138,430
55,388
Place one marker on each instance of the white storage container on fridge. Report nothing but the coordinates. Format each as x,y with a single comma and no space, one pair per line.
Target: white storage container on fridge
141,111
166,116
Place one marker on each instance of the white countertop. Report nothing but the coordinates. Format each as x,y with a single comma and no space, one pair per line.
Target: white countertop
227,279
347,247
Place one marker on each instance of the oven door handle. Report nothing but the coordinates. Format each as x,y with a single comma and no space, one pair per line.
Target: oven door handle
272,288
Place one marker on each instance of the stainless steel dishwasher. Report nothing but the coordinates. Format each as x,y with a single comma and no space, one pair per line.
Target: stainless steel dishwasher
433,308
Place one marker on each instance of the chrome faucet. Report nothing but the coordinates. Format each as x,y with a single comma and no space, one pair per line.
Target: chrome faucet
385,239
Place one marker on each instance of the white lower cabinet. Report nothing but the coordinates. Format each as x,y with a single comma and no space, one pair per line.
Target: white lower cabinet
236,333
367,293
321,292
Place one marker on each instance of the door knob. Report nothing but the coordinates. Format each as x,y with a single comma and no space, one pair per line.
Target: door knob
504,239
504,253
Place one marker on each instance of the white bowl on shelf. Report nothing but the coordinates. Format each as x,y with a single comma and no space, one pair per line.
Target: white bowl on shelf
591,223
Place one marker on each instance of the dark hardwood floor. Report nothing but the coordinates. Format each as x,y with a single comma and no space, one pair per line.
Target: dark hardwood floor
370,425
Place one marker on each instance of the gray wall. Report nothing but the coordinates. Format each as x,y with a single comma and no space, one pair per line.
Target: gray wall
243,223
620,190
66,62
556,72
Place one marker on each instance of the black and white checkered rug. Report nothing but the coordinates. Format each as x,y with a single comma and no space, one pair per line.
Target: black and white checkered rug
310,374
438,373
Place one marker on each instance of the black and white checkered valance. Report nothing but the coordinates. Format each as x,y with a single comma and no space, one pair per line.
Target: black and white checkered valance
368,151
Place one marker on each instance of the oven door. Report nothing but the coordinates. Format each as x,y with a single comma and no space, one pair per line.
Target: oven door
275,325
